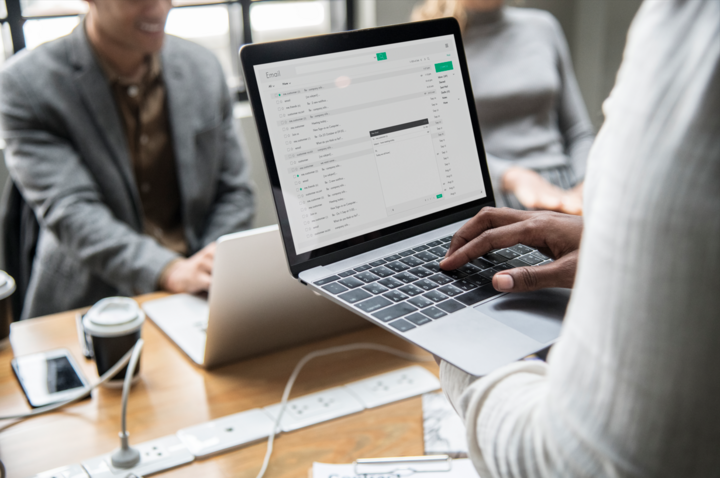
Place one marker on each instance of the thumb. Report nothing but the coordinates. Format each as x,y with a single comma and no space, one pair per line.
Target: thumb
560,273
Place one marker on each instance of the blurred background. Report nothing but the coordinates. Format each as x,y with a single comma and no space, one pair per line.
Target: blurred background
595,30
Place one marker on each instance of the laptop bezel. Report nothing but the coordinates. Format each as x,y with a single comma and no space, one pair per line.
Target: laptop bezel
271,52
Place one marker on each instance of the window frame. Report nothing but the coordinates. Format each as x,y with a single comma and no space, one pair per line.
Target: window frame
16,20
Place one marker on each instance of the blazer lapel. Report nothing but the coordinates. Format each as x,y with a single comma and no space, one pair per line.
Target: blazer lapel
181,112
96,95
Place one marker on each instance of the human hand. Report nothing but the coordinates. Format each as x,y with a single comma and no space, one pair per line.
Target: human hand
535,192
555,235
572,201
190,275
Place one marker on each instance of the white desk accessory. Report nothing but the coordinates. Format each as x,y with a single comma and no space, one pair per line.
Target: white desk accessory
440,466
70,471
393,386
246,427
155,456
226,433
316,408
143,459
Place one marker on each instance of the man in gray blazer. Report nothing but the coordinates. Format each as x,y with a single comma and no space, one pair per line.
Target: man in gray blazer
121,139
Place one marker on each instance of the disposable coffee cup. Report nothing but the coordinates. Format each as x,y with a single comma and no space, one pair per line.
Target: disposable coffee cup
7,287
112,327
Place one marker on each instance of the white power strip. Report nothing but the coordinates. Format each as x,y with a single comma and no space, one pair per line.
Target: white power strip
394,386
315,408
213,437
233,431
155,456
70,471
226,433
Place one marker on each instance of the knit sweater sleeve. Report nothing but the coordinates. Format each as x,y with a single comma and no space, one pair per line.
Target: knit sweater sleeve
630,388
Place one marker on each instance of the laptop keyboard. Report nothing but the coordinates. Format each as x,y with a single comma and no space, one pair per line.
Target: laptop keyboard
408,289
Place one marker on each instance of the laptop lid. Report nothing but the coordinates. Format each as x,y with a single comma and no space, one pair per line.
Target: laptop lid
253,307
369,137
256,307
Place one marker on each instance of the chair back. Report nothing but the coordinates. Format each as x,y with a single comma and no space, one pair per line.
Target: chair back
19,236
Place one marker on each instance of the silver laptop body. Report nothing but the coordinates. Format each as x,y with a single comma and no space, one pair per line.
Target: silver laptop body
254,306
374,153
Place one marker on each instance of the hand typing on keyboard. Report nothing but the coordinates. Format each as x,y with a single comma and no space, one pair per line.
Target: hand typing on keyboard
191,275
555,235
408,289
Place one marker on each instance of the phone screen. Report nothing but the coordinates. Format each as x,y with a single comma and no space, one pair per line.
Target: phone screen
43,377
61,375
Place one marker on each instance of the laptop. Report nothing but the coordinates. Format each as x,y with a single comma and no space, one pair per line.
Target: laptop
375,158
253,306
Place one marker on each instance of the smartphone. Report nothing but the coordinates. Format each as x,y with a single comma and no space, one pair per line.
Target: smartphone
48,377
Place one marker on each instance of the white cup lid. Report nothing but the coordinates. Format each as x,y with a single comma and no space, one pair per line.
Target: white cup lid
7,285
114,313
113,316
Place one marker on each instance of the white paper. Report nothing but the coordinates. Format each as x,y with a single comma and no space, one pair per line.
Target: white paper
443,429
461,468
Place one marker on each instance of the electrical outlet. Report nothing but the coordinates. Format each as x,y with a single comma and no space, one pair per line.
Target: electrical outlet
393,386
226,433
315,408
70,471
155,456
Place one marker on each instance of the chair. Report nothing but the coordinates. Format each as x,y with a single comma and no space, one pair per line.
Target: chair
20,230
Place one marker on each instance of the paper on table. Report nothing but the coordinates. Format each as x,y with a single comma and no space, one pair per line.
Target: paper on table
443,429
462,468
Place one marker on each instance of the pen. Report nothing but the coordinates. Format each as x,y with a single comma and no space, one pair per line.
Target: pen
405,464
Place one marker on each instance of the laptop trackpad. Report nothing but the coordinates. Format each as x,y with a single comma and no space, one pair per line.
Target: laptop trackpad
537,315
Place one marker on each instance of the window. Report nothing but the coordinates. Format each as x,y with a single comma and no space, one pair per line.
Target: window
222,26
280,20
208,26
43,30
49,8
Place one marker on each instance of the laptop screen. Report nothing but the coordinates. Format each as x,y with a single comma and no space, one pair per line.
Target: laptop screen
369,138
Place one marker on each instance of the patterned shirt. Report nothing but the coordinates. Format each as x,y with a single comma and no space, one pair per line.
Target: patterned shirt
143,110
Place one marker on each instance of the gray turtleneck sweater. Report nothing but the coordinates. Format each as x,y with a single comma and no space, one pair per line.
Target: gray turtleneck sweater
529,105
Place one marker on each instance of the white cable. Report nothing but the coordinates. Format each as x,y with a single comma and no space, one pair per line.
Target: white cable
128,380
320,353
283,403
83,393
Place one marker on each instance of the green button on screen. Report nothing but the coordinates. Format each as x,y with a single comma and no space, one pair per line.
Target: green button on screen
445,66
438,196
381,56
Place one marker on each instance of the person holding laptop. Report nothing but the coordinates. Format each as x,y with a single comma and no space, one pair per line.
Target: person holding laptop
536,129
121,140
630,388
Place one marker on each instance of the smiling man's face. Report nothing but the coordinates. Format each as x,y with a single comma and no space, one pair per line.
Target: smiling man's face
137,25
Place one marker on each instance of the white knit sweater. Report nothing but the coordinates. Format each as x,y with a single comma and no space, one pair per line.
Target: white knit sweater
631,388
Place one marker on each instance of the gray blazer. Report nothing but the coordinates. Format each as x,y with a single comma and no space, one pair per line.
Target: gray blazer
67,153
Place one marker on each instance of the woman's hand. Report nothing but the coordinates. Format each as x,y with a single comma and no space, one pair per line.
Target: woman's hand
535,192
555,235
572,202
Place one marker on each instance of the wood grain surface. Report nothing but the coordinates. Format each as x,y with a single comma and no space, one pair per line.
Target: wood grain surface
174,393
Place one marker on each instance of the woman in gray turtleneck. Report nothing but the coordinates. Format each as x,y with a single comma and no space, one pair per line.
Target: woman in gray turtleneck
534,123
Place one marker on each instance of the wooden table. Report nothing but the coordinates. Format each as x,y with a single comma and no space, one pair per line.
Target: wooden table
174,393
